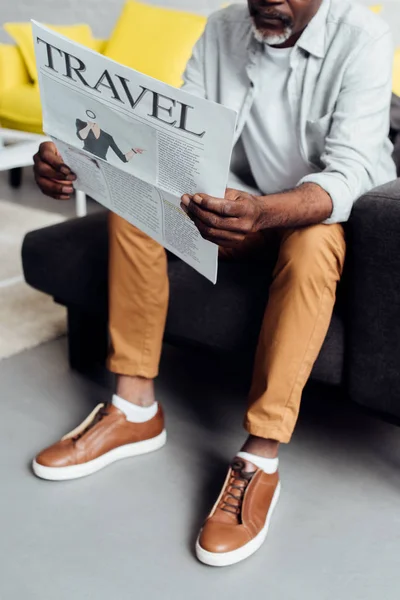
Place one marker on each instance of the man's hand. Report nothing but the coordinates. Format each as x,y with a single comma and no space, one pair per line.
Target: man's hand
224,221
228,221
53,177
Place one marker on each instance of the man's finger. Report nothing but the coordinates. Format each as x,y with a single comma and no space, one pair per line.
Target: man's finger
43,169
218,235
48,146
55,161
53,188
211,219
220,206
227,243
48,153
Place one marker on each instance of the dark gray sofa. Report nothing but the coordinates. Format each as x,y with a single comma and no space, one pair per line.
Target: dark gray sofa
361,352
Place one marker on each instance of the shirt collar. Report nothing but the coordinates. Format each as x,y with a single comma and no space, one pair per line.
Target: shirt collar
312,39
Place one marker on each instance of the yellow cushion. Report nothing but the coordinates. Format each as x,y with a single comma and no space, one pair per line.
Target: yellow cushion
100,45
20,108
12,68
155,41
22,35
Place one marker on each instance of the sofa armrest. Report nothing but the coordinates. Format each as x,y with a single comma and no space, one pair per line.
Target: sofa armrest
12,68
374,300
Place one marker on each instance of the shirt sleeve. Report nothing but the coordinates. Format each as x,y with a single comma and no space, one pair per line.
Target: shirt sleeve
117,151
359,130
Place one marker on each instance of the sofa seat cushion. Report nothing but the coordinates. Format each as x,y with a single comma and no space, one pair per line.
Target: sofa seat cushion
20,108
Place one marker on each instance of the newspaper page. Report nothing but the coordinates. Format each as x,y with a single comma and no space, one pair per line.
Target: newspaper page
136,144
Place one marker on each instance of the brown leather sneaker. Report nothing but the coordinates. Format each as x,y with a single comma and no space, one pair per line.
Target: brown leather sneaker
238,524
103,438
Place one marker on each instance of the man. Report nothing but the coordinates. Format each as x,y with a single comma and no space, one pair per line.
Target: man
311,81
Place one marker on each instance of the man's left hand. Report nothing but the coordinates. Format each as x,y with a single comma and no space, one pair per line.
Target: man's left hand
224,221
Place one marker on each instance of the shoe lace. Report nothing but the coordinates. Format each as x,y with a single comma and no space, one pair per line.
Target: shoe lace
239,481
103,412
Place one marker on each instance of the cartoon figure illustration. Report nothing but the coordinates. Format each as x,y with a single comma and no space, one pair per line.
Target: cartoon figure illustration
98,142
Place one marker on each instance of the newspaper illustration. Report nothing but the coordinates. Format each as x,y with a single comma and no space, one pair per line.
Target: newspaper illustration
136,144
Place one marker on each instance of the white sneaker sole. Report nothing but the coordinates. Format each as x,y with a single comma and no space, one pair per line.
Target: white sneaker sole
84,469
224,559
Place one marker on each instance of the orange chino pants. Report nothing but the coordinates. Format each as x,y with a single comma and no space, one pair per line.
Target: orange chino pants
297,316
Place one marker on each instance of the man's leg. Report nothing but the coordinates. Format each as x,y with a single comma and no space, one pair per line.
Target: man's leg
138,303
133,423
296,320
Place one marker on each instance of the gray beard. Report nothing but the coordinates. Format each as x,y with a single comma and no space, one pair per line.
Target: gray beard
272,40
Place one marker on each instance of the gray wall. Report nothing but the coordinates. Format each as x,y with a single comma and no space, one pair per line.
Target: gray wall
102,14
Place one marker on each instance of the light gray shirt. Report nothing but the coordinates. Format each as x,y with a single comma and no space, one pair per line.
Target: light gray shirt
269,135
339,90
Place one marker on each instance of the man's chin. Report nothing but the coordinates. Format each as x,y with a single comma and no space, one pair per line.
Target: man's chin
272,37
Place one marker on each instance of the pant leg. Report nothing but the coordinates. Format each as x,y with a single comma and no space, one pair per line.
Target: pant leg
297,317
138,299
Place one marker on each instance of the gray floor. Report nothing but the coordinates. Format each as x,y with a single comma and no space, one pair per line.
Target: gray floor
128,532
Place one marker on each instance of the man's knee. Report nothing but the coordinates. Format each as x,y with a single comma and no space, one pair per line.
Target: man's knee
119,226
316,251
123,233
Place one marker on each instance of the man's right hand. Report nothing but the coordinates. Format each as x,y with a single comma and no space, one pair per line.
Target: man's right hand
53,177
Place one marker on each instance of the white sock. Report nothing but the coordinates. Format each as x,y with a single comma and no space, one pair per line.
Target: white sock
268,465
133,412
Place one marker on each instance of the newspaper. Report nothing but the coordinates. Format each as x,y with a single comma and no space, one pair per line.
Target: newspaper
136,144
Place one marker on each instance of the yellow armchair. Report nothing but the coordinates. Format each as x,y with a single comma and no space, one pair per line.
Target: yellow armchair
20,106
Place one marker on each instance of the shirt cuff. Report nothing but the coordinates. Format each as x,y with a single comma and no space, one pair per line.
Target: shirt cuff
339,192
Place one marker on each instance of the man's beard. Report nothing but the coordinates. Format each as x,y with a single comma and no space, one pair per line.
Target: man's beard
274,39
